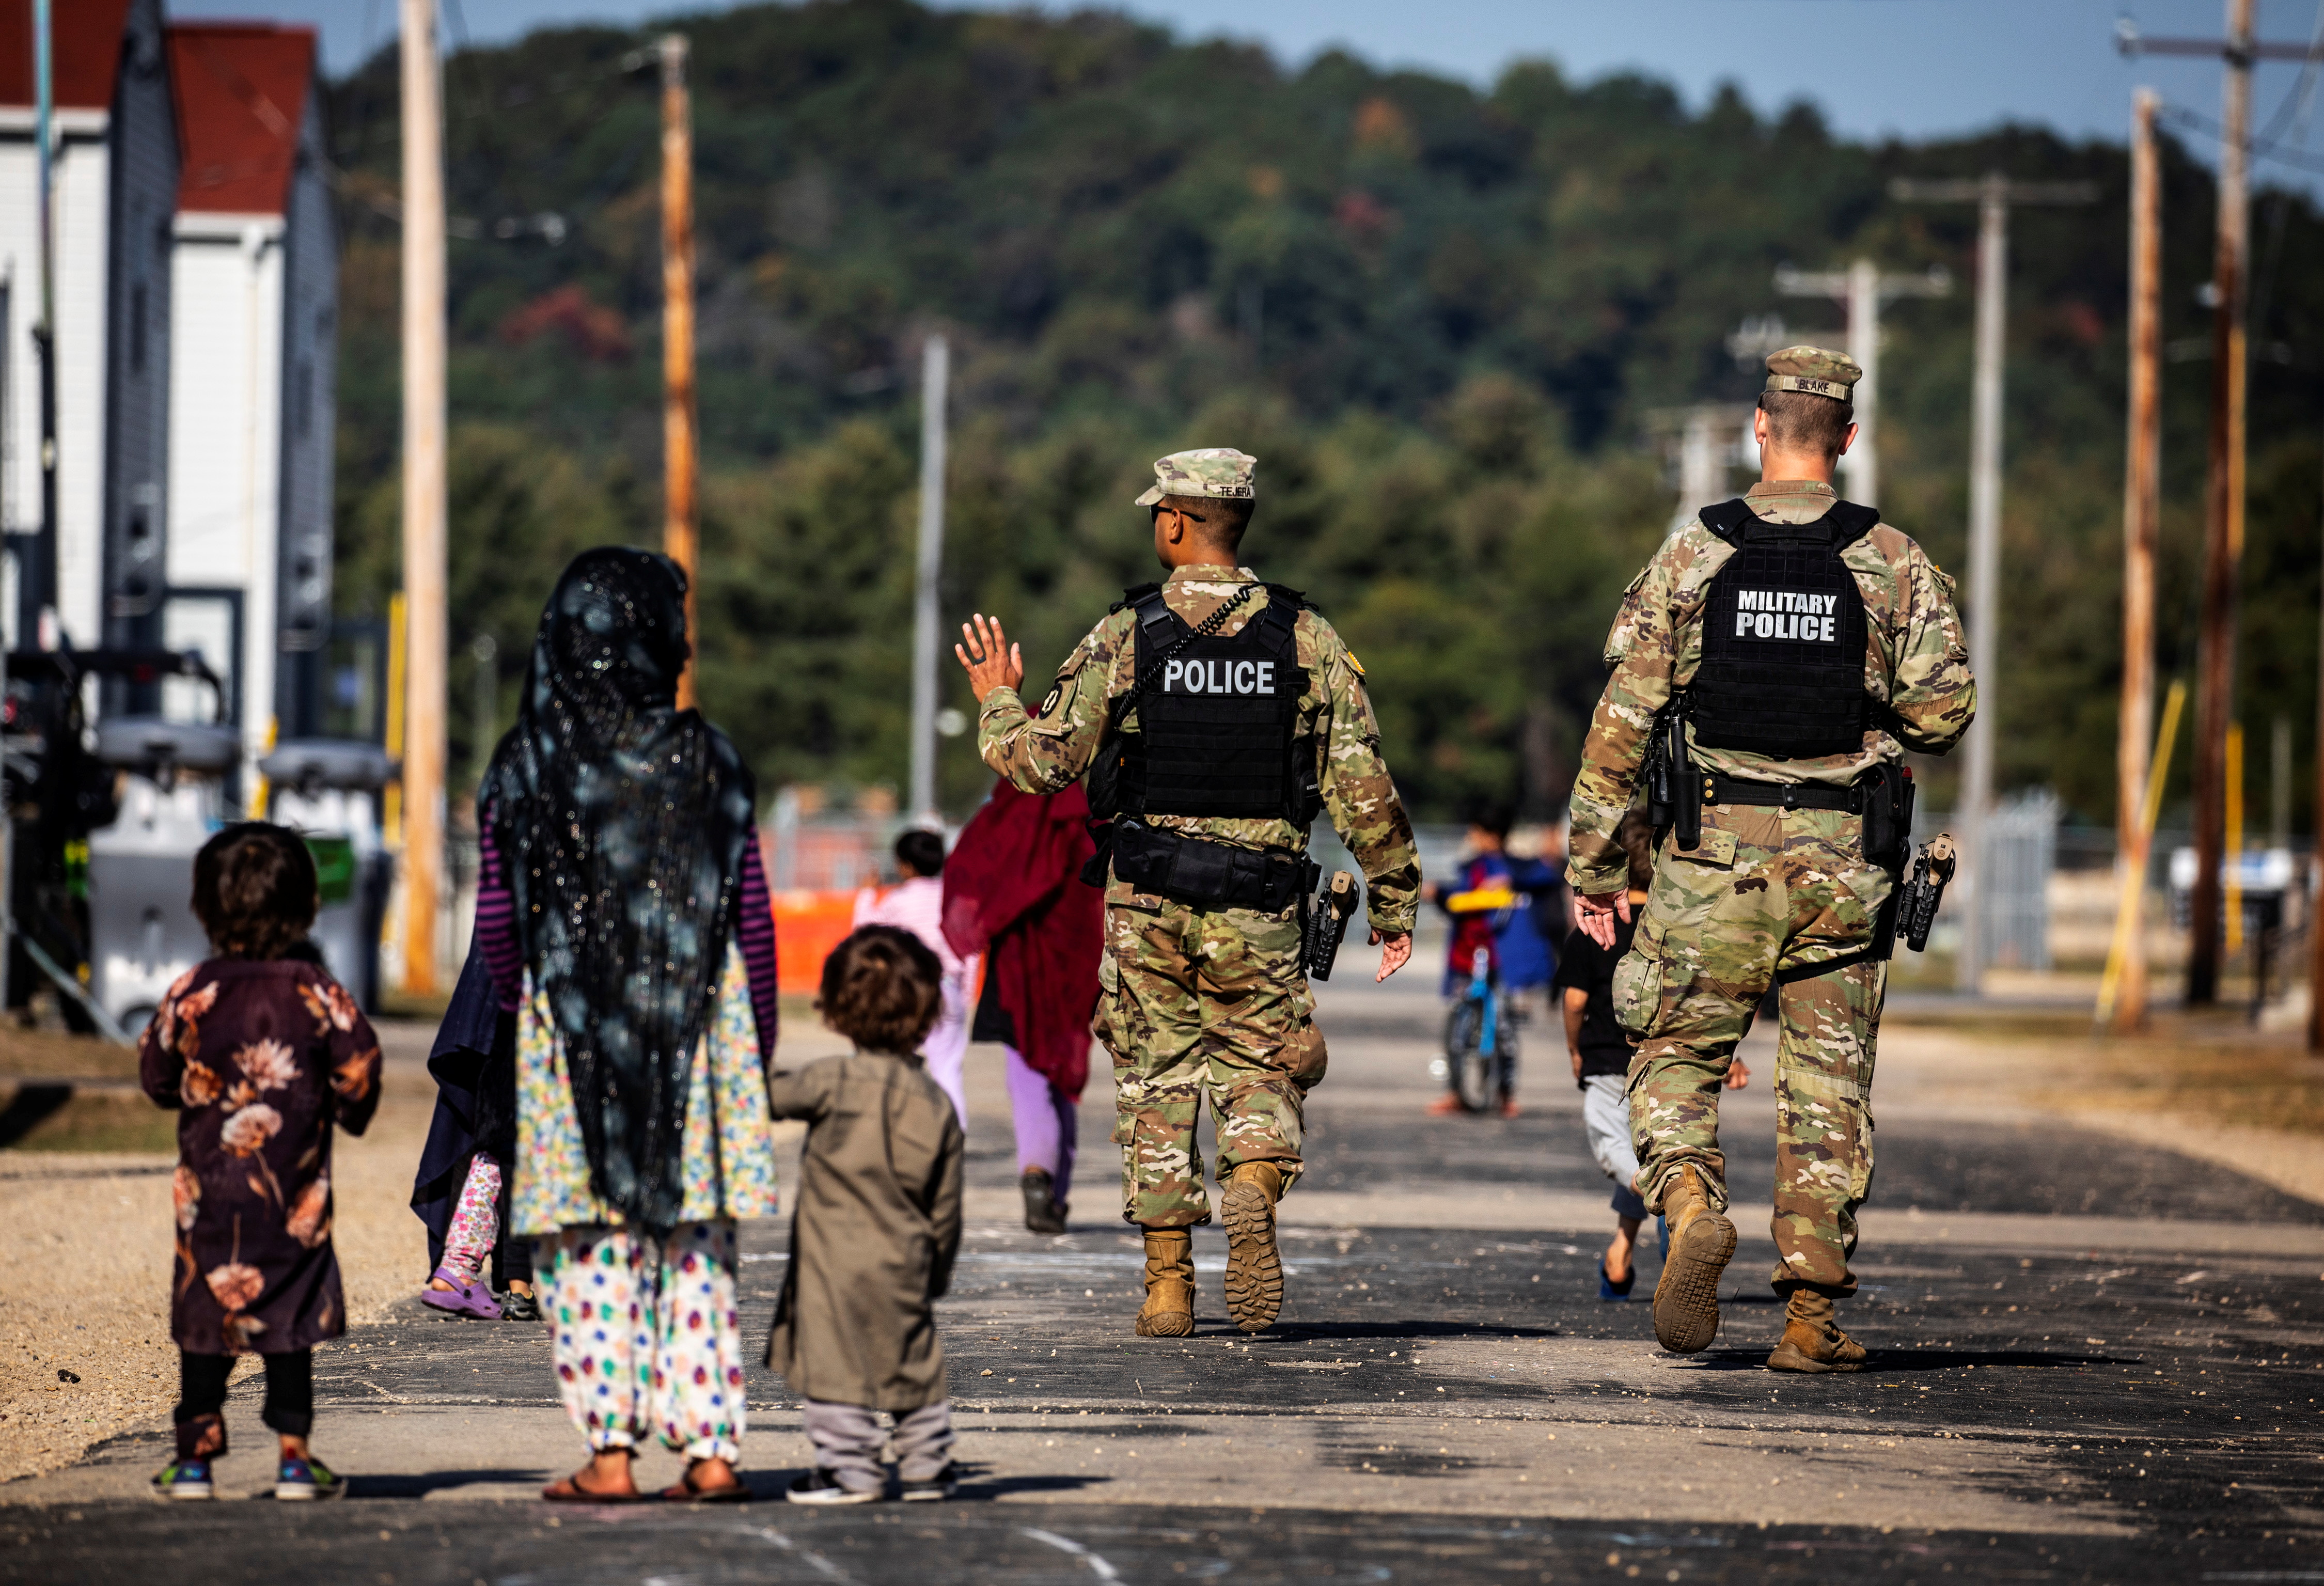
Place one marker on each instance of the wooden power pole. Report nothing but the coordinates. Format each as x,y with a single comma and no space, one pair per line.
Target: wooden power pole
2142,513
2316,894
2223,513
424,505
1993,194
680,453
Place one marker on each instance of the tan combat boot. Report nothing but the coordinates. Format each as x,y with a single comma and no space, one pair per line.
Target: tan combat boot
1169,1309
1701,1243
1254,1270
1812,1340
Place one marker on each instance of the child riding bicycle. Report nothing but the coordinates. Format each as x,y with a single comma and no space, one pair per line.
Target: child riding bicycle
1505,918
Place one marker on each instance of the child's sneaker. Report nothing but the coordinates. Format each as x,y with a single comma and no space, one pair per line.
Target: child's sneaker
820,1486
304,1481
185,1479
943,1484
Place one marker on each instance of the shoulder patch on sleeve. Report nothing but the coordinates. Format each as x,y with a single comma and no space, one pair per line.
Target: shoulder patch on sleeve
1049,700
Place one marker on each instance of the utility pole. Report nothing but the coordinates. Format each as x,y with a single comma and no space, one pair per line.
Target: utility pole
2223,495
680,463
36,574
2316,894
1863,289
424,500
935,374
1993,194
2223,513
2142,517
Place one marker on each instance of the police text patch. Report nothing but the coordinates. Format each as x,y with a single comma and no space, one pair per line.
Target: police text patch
1785,614
1218,676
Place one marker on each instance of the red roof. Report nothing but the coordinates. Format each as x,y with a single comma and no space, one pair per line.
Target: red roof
242,94
86,39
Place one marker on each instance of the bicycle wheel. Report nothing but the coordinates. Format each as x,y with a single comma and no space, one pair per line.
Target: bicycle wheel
1505,1059
1468,1067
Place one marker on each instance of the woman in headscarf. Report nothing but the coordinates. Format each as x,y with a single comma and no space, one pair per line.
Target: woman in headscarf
623,913
1014,890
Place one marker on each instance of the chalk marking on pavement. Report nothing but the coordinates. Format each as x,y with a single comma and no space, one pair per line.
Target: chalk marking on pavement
1098,1566
816,1561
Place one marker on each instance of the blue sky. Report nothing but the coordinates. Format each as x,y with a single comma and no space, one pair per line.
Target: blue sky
1909,67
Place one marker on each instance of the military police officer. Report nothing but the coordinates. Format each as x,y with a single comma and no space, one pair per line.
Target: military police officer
1216,715
1800,645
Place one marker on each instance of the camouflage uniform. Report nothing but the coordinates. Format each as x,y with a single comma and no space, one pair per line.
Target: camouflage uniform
1767,892
1191,997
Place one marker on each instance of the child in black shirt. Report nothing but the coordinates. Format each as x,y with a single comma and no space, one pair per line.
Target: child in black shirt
1600,1054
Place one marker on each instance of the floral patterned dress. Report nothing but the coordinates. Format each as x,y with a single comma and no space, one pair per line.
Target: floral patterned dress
727,1165
262,1058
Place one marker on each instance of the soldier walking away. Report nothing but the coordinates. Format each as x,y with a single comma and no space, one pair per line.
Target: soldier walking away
1770,668
1217,717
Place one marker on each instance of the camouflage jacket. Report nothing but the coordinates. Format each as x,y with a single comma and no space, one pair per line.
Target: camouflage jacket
1044,751
1916,661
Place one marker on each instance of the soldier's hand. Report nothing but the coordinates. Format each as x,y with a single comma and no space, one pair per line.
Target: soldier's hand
1738,1074
1395,951
990,660
1596,915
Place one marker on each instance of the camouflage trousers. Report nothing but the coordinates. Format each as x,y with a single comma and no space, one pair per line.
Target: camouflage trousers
1192,999
1766,895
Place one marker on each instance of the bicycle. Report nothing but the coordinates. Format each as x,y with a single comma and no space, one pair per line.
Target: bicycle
1480,1040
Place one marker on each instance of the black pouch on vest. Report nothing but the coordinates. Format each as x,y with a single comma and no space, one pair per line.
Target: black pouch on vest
1203,874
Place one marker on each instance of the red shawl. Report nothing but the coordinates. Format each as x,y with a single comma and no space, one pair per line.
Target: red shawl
1013,882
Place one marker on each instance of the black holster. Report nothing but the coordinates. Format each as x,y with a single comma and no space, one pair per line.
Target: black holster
1888,796
1674,792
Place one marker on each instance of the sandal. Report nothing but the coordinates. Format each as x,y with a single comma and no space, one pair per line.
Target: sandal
685,1491
466,1297
568,1490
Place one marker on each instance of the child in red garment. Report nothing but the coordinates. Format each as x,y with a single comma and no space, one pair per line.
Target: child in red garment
261,1053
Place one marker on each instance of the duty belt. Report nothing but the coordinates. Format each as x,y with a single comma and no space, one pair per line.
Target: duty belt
1203,874
1717,788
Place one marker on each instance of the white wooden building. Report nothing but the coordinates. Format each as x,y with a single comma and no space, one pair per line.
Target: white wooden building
251,413
113,198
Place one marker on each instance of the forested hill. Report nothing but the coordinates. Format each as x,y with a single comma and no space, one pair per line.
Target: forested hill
1446,321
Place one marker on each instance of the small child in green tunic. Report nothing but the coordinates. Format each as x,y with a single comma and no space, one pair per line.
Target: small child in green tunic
875,1231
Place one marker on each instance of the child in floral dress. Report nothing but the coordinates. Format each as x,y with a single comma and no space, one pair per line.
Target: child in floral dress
262,1053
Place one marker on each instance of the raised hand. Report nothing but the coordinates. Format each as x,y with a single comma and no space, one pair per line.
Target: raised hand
987,656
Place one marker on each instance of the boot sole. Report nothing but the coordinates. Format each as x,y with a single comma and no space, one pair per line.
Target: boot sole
1686,1298
1789,1357
1254,1270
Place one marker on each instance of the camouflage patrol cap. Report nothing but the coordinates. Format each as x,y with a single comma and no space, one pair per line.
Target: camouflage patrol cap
1818,371
1218,471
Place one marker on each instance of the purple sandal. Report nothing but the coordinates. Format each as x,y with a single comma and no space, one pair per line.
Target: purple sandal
465,1298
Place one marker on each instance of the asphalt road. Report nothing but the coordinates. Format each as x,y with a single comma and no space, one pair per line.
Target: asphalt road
2071,1381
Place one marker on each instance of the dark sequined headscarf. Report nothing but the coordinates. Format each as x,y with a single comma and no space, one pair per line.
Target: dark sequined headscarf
622,819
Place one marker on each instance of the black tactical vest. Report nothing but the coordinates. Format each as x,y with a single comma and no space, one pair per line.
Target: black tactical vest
1215,725
1783,636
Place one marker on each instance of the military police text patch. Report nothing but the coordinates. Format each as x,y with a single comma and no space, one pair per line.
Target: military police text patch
1786,613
